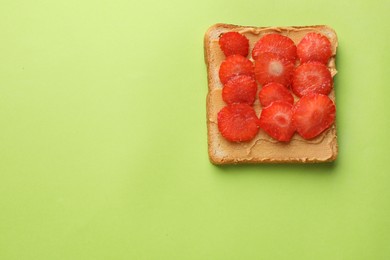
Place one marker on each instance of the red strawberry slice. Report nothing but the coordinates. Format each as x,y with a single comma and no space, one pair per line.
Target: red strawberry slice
313,114
314,47
240,89
235,65
275,92
238,122
275,43
234,43
276,120
312,77
270,67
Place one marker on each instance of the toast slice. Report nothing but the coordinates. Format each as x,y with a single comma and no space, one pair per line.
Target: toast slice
263,149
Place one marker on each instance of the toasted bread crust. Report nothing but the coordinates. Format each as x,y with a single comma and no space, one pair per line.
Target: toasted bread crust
262,150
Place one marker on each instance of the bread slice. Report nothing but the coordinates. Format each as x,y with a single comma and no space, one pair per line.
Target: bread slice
262,149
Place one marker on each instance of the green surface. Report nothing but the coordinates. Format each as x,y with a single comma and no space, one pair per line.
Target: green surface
103,138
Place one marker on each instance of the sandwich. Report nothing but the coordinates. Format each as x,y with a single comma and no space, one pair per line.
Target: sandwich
271,94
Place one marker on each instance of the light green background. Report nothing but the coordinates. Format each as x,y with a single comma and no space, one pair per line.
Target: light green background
103,151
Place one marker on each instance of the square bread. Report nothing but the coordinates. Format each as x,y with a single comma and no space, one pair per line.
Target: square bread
263,148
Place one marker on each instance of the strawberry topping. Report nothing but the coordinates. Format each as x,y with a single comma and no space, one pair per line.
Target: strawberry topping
274,68
270,67
234,43
276,120
313,114
312,77
240,89
277,44
235,65
275,92
314,47
238,122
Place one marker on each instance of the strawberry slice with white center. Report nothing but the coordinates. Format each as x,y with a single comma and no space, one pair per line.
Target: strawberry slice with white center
269,67
313,114
276,120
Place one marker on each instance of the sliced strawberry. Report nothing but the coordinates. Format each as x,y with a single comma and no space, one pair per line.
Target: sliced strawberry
312,77
275,92
276,120
234,43
235,65
275,43
240,89
238,122
314,47
313,114
270,67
